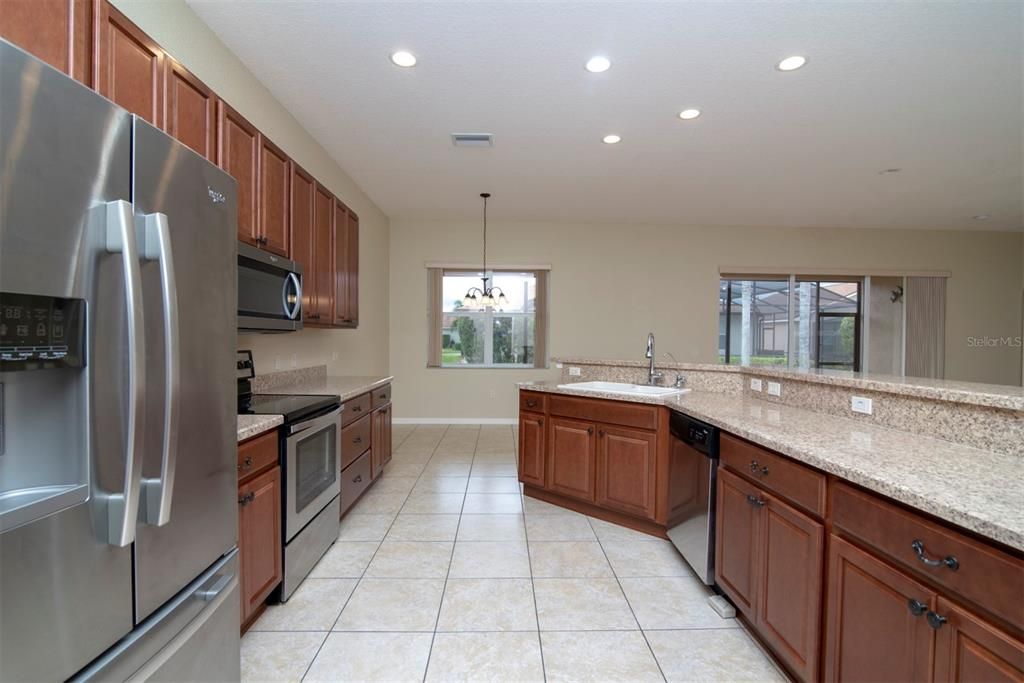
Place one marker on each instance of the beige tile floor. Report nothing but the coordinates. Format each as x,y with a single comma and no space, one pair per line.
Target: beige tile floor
445,572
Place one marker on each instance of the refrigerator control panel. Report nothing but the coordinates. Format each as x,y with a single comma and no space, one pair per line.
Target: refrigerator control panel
38,332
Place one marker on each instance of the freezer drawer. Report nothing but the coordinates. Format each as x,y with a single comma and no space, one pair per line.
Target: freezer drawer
194,637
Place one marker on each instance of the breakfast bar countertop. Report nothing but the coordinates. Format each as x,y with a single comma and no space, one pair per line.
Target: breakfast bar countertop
972,488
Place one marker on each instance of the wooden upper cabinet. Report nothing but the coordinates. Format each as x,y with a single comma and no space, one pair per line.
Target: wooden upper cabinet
789,609
238,153
190,114
876,629
275,195
59,32
572,458
531,449
259,538
346,270
736,522
970,649
303,191
626,461
318,277
129,66
329,268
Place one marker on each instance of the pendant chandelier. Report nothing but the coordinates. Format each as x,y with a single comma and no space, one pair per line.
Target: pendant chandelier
485,297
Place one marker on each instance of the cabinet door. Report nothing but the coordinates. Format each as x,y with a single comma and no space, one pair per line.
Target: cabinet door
737,522
531,449
348,308
318,278
875,628
275,197
341,280
970,649
377,443
386,434
129,65
572,459
191,110
303,191
789,598
626,470
259,538
59,32
238,153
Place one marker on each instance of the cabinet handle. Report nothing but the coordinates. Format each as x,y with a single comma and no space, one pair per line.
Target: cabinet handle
246,464
382,396
358,439
357,409
935,620
600,432
949,561
916,607
531,403
540,422
247,498
590,430
755,501
358,479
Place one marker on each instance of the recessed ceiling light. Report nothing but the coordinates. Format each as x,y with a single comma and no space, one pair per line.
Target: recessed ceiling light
889,171
596,65
611,139
982,217
403,58
689,114
791,63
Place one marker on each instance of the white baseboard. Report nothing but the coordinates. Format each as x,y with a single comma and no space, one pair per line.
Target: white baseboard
454,421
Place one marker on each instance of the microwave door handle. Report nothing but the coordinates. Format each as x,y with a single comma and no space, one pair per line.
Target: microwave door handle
157,492
123,507
292,312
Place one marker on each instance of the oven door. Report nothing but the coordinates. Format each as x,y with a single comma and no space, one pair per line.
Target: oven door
312,469
269,292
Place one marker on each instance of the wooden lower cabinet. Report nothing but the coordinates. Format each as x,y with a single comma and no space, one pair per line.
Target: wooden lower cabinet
532,441
626,464
259,538
769,561
381,440
969,648
572,458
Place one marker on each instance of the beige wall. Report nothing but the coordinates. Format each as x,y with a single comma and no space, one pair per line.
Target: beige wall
611,284
362,351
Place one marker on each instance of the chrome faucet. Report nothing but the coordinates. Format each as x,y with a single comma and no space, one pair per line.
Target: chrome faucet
680,378
652,375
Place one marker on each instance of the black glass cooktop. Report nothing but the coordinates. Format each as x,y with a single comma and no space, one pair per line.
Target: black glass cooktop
294,407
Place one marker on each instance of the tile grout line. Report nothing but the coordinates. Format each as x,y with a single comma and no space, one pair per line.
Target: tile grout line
628,603
451,558
533,585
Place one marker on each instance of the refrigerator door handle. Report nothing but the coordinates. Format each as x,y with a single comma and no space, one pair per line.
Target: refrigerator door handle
123,507
158,492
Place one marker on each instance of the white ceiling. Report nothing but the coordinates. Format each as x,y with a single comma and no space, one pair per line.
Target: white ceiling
933,88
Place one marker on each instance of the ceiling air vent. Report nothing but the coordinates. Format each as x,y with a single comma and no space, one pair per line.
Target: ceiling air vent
472,139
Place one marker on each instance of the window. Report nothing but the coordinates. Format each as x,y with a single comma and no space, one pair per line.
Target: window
508,336
794,322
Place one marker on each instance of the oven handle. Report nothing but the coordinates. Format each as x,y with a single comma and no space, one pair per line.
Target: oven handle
316,423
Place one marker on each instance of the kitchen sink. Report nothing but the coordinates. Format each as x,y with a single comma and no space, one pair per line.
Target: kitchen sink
624,388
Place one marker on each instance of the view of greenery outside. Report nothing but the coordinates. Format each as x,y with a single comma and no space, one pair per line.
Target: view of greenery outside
846,329
488,337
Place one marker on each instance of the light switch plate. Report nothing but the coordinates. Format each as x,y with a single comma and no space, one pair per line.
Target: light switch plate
859,404
574,372
774,389
755,384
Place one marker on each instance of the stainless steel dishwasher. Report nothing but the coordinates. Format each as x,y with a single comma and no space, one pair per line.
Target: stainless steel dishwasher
693,473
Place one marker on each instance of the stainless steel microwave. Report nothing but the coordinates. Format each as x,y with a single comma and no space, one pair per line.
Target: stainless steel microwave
269,292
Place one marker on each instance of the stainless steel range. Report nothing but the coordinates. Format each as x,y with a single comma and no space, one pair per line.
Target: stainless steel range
310,455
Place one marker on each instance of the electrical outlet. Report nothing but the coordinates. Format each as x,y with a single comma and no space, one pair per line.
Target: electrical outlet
859,404
494,394
574,372
334,356
558,365
755,384
774,389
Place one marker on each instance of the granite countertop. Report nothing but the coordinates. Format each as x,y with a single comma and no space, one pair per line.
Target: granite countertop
975,489
346,387
254,425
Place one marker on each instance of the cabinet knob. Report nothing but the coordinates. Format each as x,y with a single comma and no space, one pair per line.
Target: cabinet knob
531,403
246,464
935,620
949,561
590,430
247,498
916,607
600,432
755,501
358,479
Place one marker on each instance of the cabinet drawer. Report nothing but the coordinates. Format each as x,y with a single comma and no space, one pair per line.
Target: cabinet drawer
801,485
381,396
256,454
603,410
355,408
983,575
354,480
533,401
355,439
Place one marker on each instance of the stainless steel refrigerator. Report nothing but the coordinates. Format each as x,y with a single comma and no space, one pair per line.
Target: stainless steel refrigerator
118,518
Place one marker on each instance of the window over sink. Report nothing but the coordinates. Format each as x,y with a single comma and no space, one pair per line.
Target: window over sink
509,334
